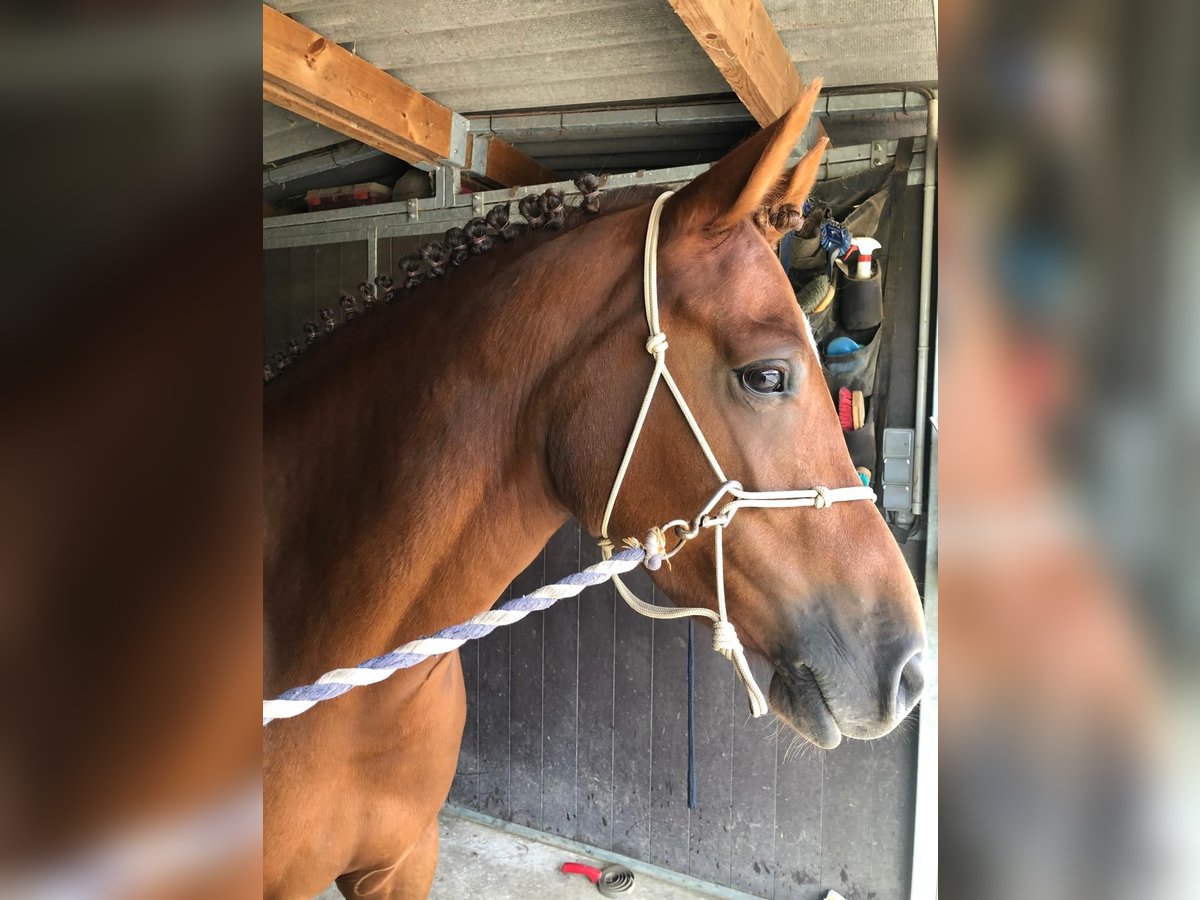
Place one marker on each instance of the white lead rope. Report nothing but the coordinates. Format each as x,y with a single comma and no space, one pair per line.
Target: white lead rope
725,638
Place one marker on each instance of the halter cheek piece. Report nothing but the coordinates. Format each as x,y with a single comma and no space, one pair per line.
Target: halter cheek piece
725,639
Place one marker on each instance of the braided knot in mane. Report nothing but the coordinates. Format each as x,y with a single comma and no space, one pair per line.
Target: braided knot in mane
546,211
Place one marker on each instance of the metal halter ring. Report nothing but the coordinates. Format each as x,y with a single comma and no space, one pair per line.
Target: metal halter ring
676,527
685,531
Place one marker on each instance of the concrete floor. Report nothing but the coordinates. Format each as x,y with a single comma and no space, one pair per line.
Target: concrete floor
479,860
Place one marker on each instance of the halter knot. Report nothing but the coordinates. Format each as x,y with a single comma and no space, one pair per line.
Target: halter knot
657,344
655,545
823,498
606,548
725,639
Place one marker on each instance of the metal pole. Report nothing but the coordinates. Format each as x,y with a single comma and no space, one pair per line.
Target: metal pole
920,424
925,816
372,254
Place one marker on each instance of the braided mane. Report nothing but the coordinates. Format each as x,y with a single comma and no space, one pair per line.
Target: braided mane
542,212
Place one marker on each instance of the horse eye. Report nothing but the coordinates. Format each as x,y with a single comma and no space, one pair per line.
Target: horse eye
764,379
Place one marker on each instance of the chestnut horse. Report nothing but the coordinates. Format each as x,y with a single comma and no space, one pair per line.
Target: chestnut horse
420,458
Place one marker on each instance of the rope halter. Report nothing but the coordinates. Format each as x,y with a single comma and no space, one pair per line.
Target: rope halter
725,637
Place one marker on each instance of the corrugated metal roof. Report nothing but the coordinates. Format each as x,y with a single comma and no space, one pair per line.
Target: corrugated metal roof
287,134
488,56
485,57
858,42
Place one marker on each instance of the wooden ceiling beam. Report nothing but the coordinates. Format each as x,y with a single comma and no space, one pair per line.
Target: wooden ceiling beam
501,162
744,45
314,77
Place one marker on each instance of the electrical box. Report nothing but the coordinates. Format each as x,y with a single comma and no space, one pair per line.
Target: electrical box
896,475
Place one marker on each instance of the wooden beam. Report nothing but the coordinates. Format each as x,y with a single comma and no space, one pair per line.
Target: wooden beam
501,162
744,45
314,77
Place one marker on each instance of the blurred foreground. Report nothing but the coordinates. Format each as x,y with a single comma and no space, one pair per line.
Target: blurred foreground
1071,431
130,568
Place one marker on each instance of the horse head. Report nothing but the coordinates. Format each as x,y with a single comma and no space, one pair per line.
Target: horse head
824,594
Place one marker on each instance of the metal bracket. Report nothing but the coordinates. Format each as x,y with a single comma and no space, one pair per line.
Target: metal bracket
459,129
373,255
878,154
414,210
479,154
447,182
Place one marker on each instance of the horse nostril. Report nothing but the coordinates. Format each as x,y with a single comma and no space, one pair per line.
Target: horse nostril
910,685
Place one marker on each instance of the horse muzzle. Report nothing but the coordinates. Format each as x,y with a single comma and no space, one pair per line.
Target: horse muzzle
862,699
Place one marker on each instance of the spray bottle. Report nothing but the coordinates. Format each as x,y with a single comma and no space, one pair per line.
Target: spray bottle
865,246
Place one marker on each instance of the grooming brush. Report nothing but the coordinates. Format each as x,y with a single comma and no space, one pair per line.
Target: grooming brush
846,408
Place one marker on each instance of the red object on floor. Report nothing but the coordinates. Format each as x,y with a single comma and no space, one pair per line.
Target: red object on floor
592,873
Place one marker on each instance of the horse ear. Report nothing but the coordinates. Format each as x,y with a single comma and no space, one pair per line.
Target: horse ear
802,177
785,210
736,187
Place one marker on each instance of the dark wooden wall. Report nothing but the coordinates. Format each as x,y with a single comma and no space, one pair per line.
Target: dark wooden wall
577,726
299,280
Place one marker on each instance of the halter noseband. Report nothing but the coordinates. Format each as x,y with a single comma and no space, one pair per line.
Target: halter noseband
725,639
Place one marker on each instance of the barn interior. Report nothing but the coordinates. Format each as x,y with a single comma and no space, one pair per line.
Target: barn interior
573,745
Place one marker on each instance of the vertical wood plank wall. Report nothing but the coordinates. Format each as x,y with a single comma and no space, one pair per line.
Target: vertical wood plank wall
576,719
576,726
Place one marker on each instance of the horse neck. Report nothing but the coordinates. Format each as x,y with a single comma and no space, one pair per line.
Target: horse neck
406,480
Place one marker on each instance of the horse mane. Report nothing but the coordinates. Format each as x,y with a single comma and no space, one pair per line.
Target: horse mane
545,213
